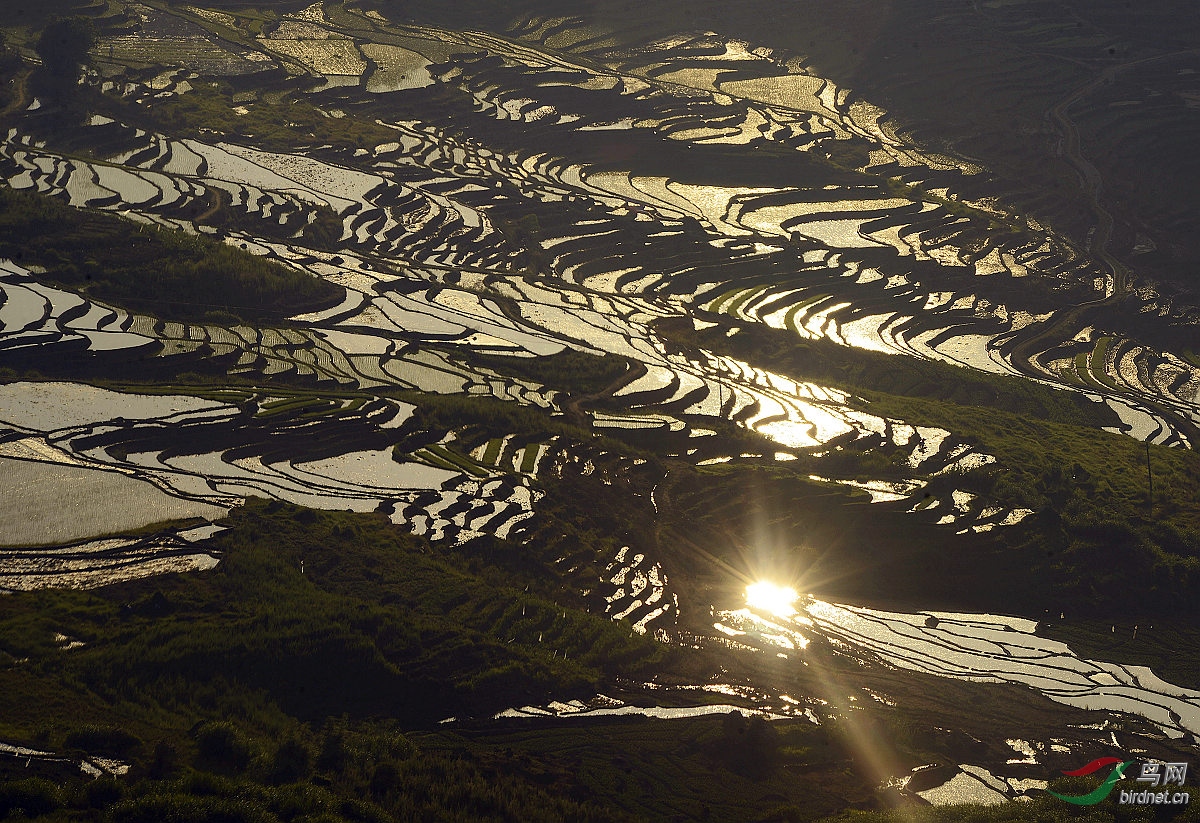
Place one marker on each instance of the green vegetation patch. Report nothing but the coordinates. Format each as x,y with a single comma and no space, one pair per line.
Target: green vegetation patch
529,460
171,275
435,460
310,405
575,372
457,460
275,125
492,453
318,613
722,767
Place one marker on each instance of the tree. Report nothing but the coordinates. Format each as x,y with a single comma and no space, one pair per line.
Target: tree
63,47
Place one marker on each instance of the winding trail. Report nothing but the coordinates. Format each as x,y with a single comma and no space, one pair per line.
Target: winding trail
21,93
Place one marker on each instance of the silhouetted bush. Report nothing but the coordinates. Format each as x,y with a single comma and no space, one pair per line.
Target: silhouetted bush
223,746
103,792
34,796
108,740
293,760
181,808
334,754
164,761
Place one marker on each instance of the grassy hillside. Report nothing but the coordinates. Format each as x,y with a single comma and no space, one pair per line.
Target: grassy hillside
219,686
264,691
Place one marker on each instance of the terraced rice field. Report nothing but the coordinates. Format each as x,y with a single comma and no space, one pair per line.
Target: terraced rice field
545,192
426,199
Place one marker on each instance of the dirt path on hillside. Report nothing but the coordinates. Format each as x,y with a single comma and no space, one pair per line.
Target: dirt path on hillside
21,94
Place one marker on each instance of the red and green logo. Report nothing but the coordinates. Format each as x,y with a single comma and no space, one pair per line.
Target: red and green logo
1104,789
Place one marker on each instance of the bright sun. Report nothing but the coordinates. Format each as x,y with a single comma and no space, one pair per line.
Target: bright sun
771,598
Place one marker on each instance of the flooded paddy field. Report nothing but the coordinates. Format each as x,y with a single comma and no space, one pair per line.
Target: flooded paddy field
49,504
626,327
